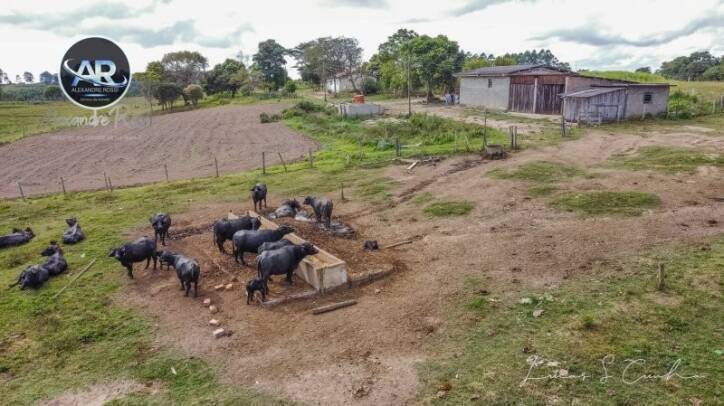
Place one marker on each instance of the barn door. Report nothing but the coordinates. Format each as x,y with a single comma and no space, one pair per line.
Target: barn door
521,98
547,100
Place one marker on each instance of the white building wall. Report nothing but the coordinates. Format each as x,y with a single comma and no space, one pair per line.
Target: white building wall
635,107
475,92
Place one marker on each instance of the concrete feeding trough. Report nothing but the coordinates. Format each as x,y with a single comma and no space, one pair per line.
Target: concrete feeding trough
323,271
360,110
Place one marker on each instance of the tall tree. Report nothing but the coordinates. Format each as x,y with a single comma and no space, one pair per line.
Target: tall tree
435,60
46,78
184,67
223,77
270,61
28,77
690,67
389,66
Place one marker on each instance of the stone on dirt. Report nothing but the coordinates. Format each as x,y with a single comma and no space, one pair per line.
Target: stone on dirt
218,287
207,302
214,322
229,286
219,332
213,309
537,312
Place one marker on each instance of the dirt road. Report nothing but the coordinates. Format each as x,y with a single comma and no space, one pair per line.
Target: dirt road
187,142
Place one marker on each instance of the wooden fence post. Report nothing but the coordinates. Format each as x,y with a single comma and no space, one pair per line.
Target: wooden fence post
216,166
263,163
284,164
62,184
563,126
105,180
22,194
660,280
110,185
485,130
165,170
398,151
342,192
311,159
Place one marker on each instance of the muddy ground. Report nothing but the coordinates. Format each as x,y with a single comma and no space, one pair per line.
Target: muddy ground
367,354
186,142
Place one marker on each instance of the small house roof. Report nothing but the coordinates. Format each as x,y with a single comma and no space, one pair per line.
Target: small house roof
592,92
508,70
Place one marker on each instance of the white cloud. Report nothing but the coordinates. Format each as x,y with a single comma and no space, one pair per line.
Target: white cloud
589,34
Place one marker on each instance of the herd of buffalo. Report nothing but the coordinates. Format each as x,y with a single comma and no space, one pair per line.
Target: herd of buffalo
275,254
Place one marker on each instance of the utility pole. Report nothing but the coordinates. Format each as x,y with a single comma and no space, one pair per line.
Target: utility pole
324,80
409,97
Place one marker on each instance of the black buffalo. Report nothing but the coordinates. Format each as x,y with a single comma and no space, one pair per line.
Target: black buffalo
17,237
160,222
187,269
224,229
250,240
137,251
273,245
283,261
258,195
322,208
73,234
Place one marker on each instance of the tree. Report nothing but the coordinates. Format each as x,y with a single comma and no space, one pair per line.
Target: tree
227,76
644,69
149,79
183,67
351,59
46,78
28,77
18,79
435,59
53,92
389,66
690,67
270,61
714,73
194,93
167,94
290,87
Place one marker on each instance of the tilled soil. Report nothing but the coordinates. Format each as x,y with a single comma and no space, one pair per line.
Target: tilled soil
367,354
187,142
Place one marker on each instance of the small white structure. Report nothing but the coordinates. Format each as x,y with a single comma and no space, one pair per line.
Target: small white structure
342,82
359,110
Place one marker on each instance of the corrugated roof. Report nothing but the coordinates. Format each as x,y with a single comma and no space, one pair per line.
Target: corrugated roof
505,70
593,92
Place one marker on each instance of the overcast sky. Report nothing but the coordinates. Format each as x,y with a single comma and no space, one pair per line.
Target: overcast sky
611,34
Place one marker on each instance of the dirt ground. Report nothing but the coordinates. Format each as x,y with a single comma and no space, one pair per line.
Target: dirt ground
367,354
186,142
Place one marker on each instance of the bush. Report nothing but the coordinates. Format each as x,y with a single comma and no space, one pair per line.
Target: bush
290,87
53,93
265,118
194,93
370,86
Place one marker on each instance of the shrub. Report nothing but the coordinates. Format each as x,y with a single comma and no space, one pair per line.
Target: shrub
266,118
53,93
290,87
194,93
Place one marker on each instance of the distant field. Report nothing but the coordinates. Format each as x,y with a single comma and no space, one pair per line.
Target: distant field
18,119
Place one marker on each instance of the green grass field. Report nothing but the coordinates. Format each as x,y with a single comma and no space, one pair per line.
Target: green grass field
606,314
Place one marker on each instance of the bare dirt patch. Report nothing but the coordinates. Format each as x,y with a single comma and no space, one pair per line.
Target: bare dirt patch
187,142
98,394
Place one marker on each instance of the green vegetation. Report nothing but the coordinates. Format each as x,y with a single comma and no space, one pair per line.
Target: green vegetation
616,313
597,203
422,198
541,191
643,77
668,160
542,172
18,120
449,208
